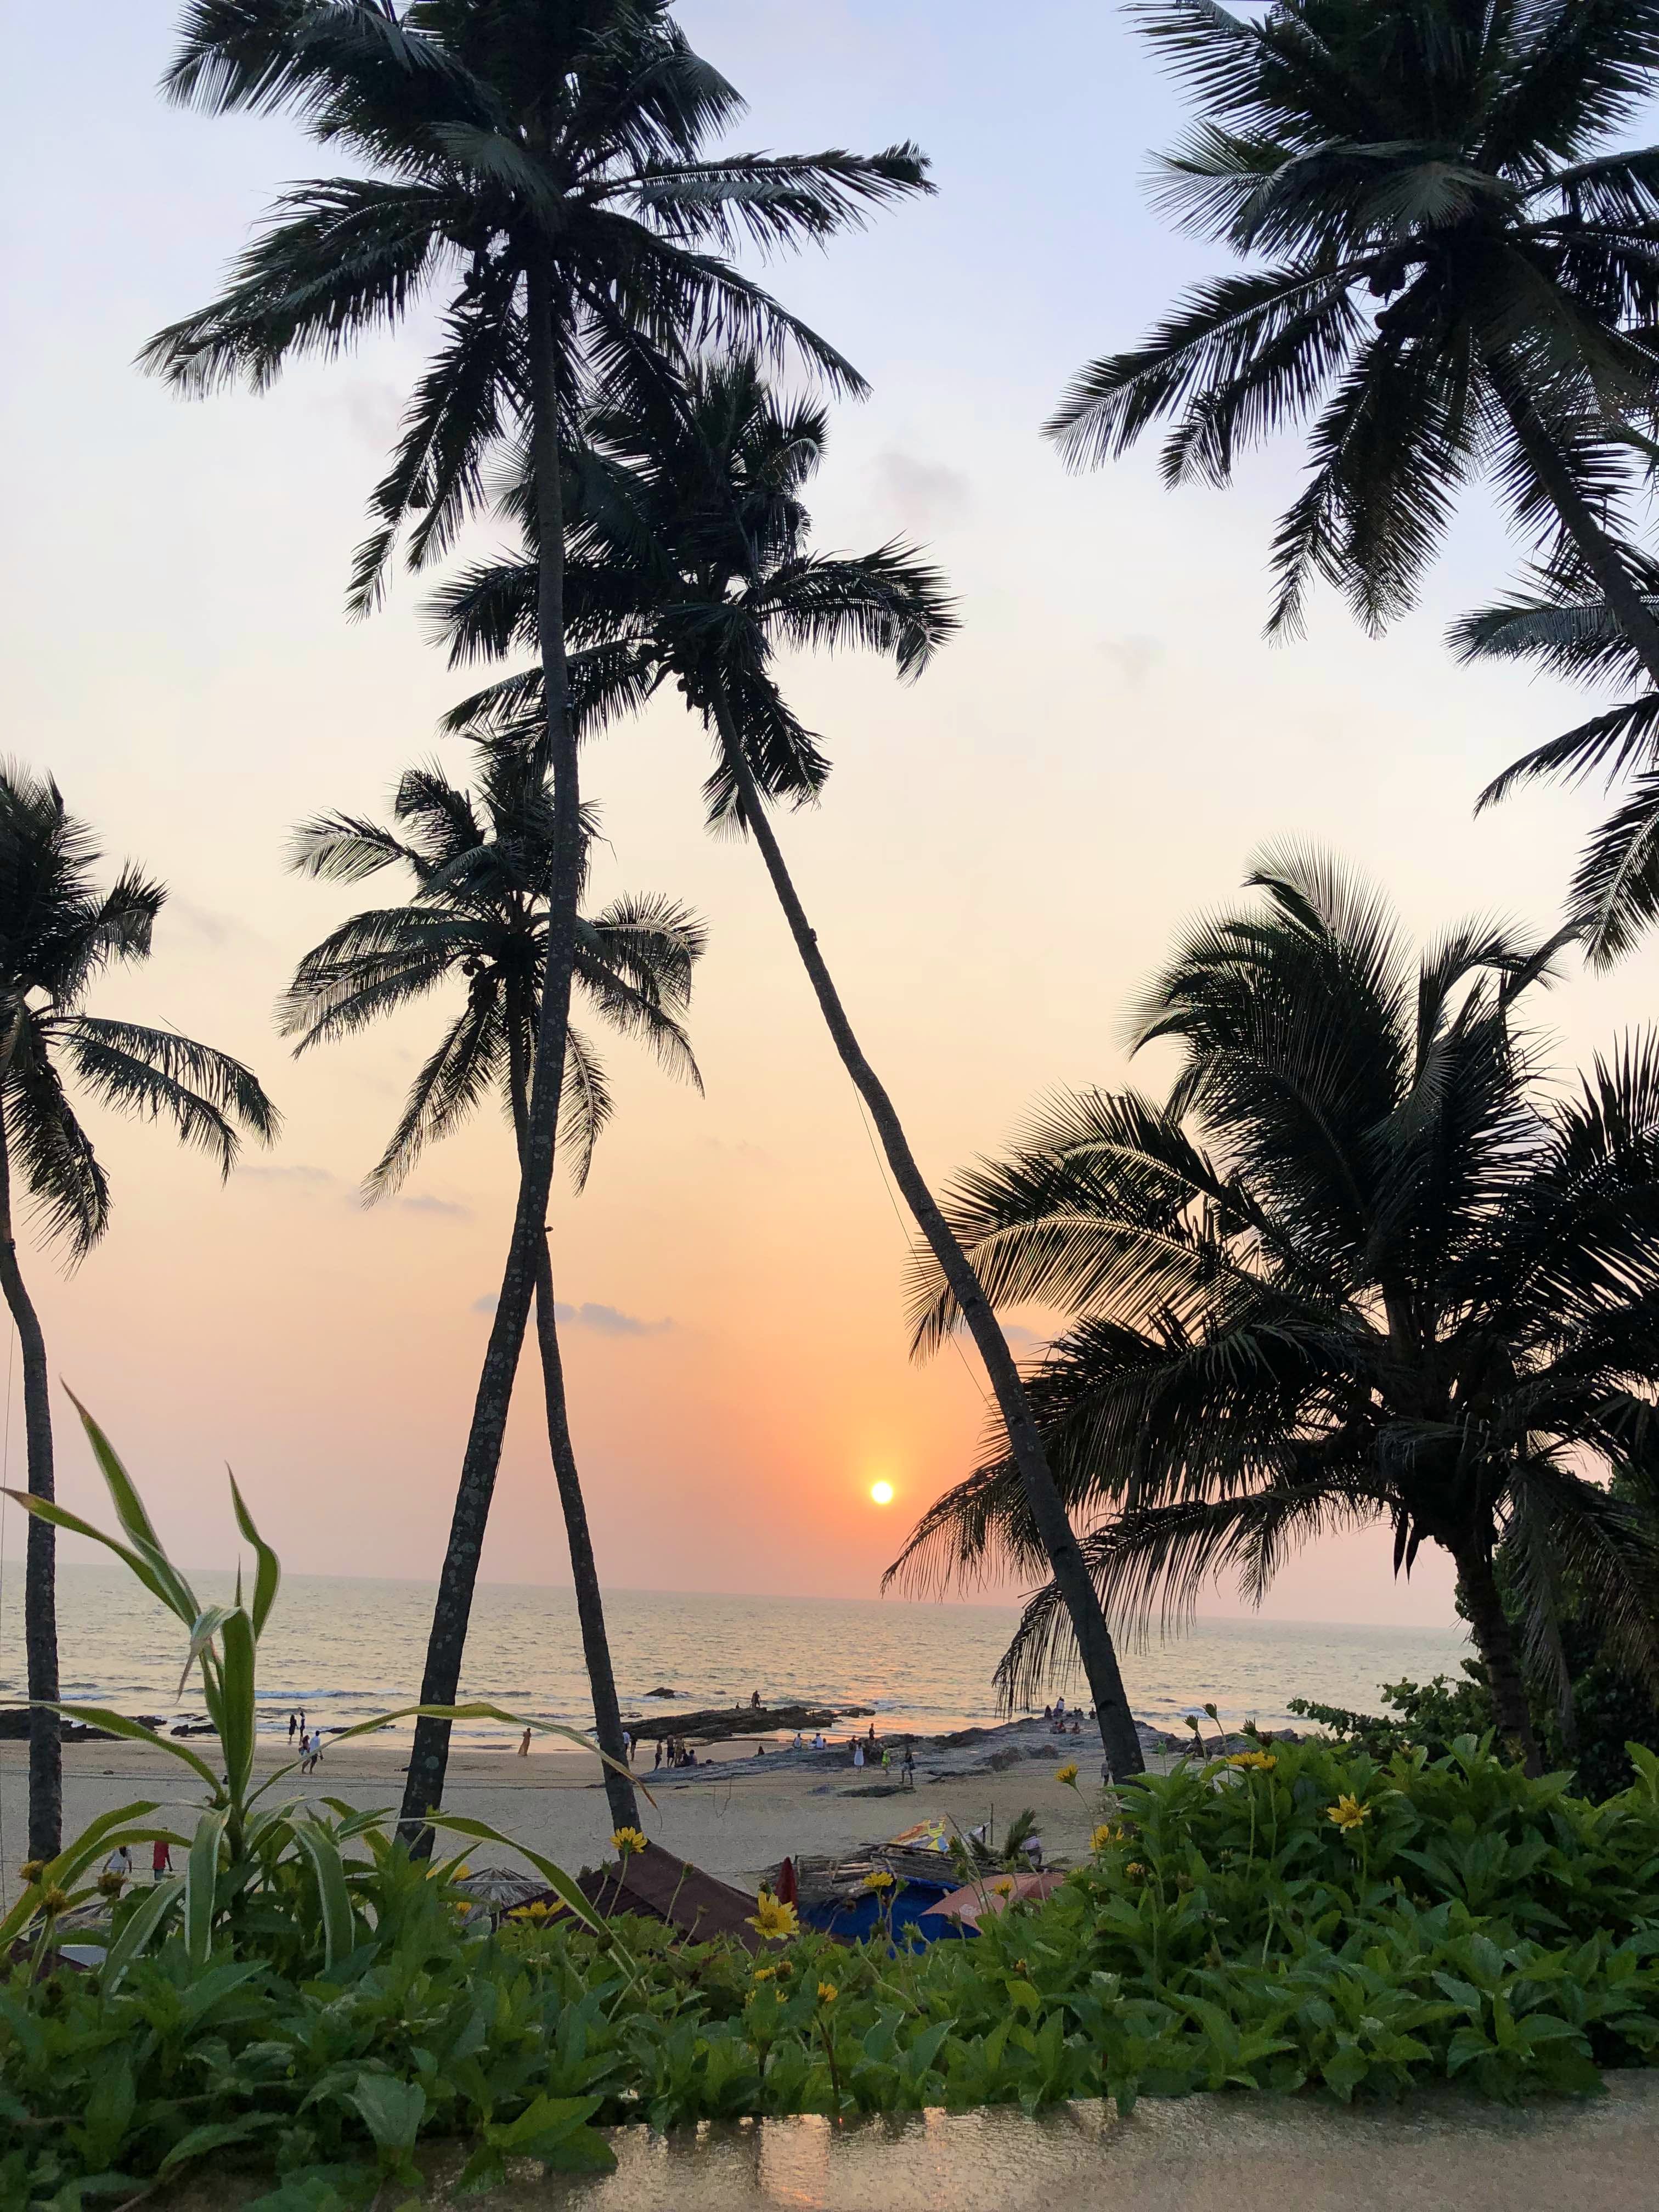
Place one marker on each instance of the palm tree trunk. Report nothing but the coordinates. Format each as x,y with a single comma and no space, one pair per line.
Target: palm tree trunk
1118,1735
584,1573
1495,1640
429,1756
1601,554
40,1567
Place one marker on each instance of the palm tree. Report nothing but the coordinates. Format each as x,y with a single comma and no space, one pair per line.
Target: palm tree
1360,1265
690,563
538,163
479,911
1561,626
58,933
1451,263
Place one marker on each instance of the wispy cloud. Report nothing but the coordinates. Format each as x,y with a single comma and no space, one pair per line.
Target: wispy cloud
925,494
297,1175
1134,657
444,1209
598,1320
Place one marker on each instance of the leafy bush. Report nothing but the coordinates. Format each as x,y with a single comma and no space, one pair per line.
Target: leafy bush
1454,1920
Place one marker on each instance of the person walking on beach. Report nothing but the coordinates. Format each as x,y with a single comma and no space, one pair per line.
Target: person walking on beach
858,1754
523,1745
908,1776
291,1726
657,1761
628,1746
160,1860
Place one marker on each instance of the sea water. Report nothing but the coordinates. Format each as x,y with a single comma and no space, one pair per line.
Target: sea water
345,1648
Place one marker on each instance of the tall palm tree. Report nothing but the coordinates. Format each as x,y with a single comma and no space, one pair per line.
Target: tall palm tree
1451,261
1562,625
691,563
479,912
539,165
58,933
1361,1266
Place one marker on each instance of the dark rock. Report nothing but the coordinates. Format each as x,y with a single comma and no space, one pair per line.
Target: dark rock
660,1692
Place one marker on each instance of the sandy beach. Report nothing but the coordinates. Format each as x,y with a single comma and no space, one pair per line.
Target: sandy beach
736,1816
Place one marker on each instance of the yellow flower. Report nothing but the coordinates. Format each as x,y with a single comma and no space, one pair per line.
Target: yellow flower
55,1901
1263,1761
32,1869
538,1911
1003,1888
1104,1834
879,1880
1348,1813
627,1839
828,1993
1068,1775
764,1973
110,1885
1135,1871
777,1922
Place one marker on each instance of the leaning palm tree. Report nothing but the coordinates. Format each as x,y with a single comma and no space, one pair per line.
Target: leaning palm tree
1362,1266
1453,268
1562,627
690,563
538,166
479,913
58,933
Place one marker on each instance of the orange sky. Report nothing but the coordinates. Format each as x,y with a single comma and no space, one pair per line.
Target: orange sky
1002,853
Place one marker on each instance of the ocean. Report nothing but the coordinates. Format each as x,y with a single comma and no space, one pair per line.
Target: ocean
346,1649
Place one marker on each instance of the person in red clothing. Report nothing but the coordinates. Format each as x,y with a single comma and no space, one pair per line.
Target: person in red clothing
160,1860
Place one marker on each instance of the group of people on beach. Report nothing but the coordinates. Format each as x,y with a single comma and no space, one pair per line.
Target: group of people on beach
311,1741
1063,1723
671,1752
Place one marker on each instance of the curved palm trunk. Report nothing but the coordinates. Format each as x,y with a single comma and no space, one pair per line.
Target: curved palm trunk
430,1758
1118,1735
1601,554
584,1571
40,1569
1495,1639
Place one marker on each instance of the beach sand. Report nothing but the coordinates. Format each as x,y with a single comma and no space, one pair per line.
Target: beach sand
736,1816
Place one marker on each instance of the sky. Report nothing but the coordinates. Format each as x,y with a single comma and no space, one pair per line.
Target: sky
1003,852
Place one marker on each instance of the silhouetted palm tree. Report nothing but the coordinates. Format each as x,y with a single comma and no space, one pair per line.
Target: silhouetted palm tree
691,563
1451,264
537,164
478,912
58,933
1362,1266
1561,627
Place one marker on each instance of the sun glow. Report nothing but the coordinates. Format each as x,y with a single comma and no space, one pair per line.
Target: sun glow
882,1493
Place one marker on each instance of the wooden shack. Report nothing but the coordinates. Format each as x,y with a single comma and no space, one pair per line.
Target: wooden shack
658,1886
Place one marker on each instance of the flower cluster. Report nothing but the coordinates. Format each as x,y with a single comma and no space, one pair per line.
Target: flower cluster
828,1993
1263,1762
627,1839
1107,1833
880,1880
538,1911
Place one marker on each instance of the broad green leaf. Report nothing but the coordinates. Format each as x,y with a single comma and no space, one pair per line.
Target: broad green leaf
61,1517
201,1885
240,1709
130,1511
339,1930
205,1627
393,2110
268,1571
139,1932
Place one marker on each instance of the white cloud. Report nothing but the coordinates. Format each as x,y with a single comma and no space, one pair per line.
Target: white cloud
925,494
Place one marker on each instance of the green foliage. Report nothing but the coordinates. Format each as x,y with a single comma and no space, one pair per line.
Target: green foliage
1470,1925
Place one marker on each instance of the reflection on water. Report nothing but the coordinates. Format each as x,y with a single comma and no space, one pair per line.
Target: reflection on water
346,1648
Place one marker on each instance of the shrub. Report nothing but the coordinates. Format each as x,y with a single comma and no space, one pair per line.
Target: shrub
1456,1921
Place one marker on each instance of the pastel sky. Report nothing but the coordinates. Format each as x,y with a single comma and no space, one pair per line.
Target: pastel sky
1003,852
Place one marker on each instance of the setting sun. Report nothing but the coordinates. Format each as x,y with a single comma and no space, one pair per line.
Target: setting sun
882,1493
